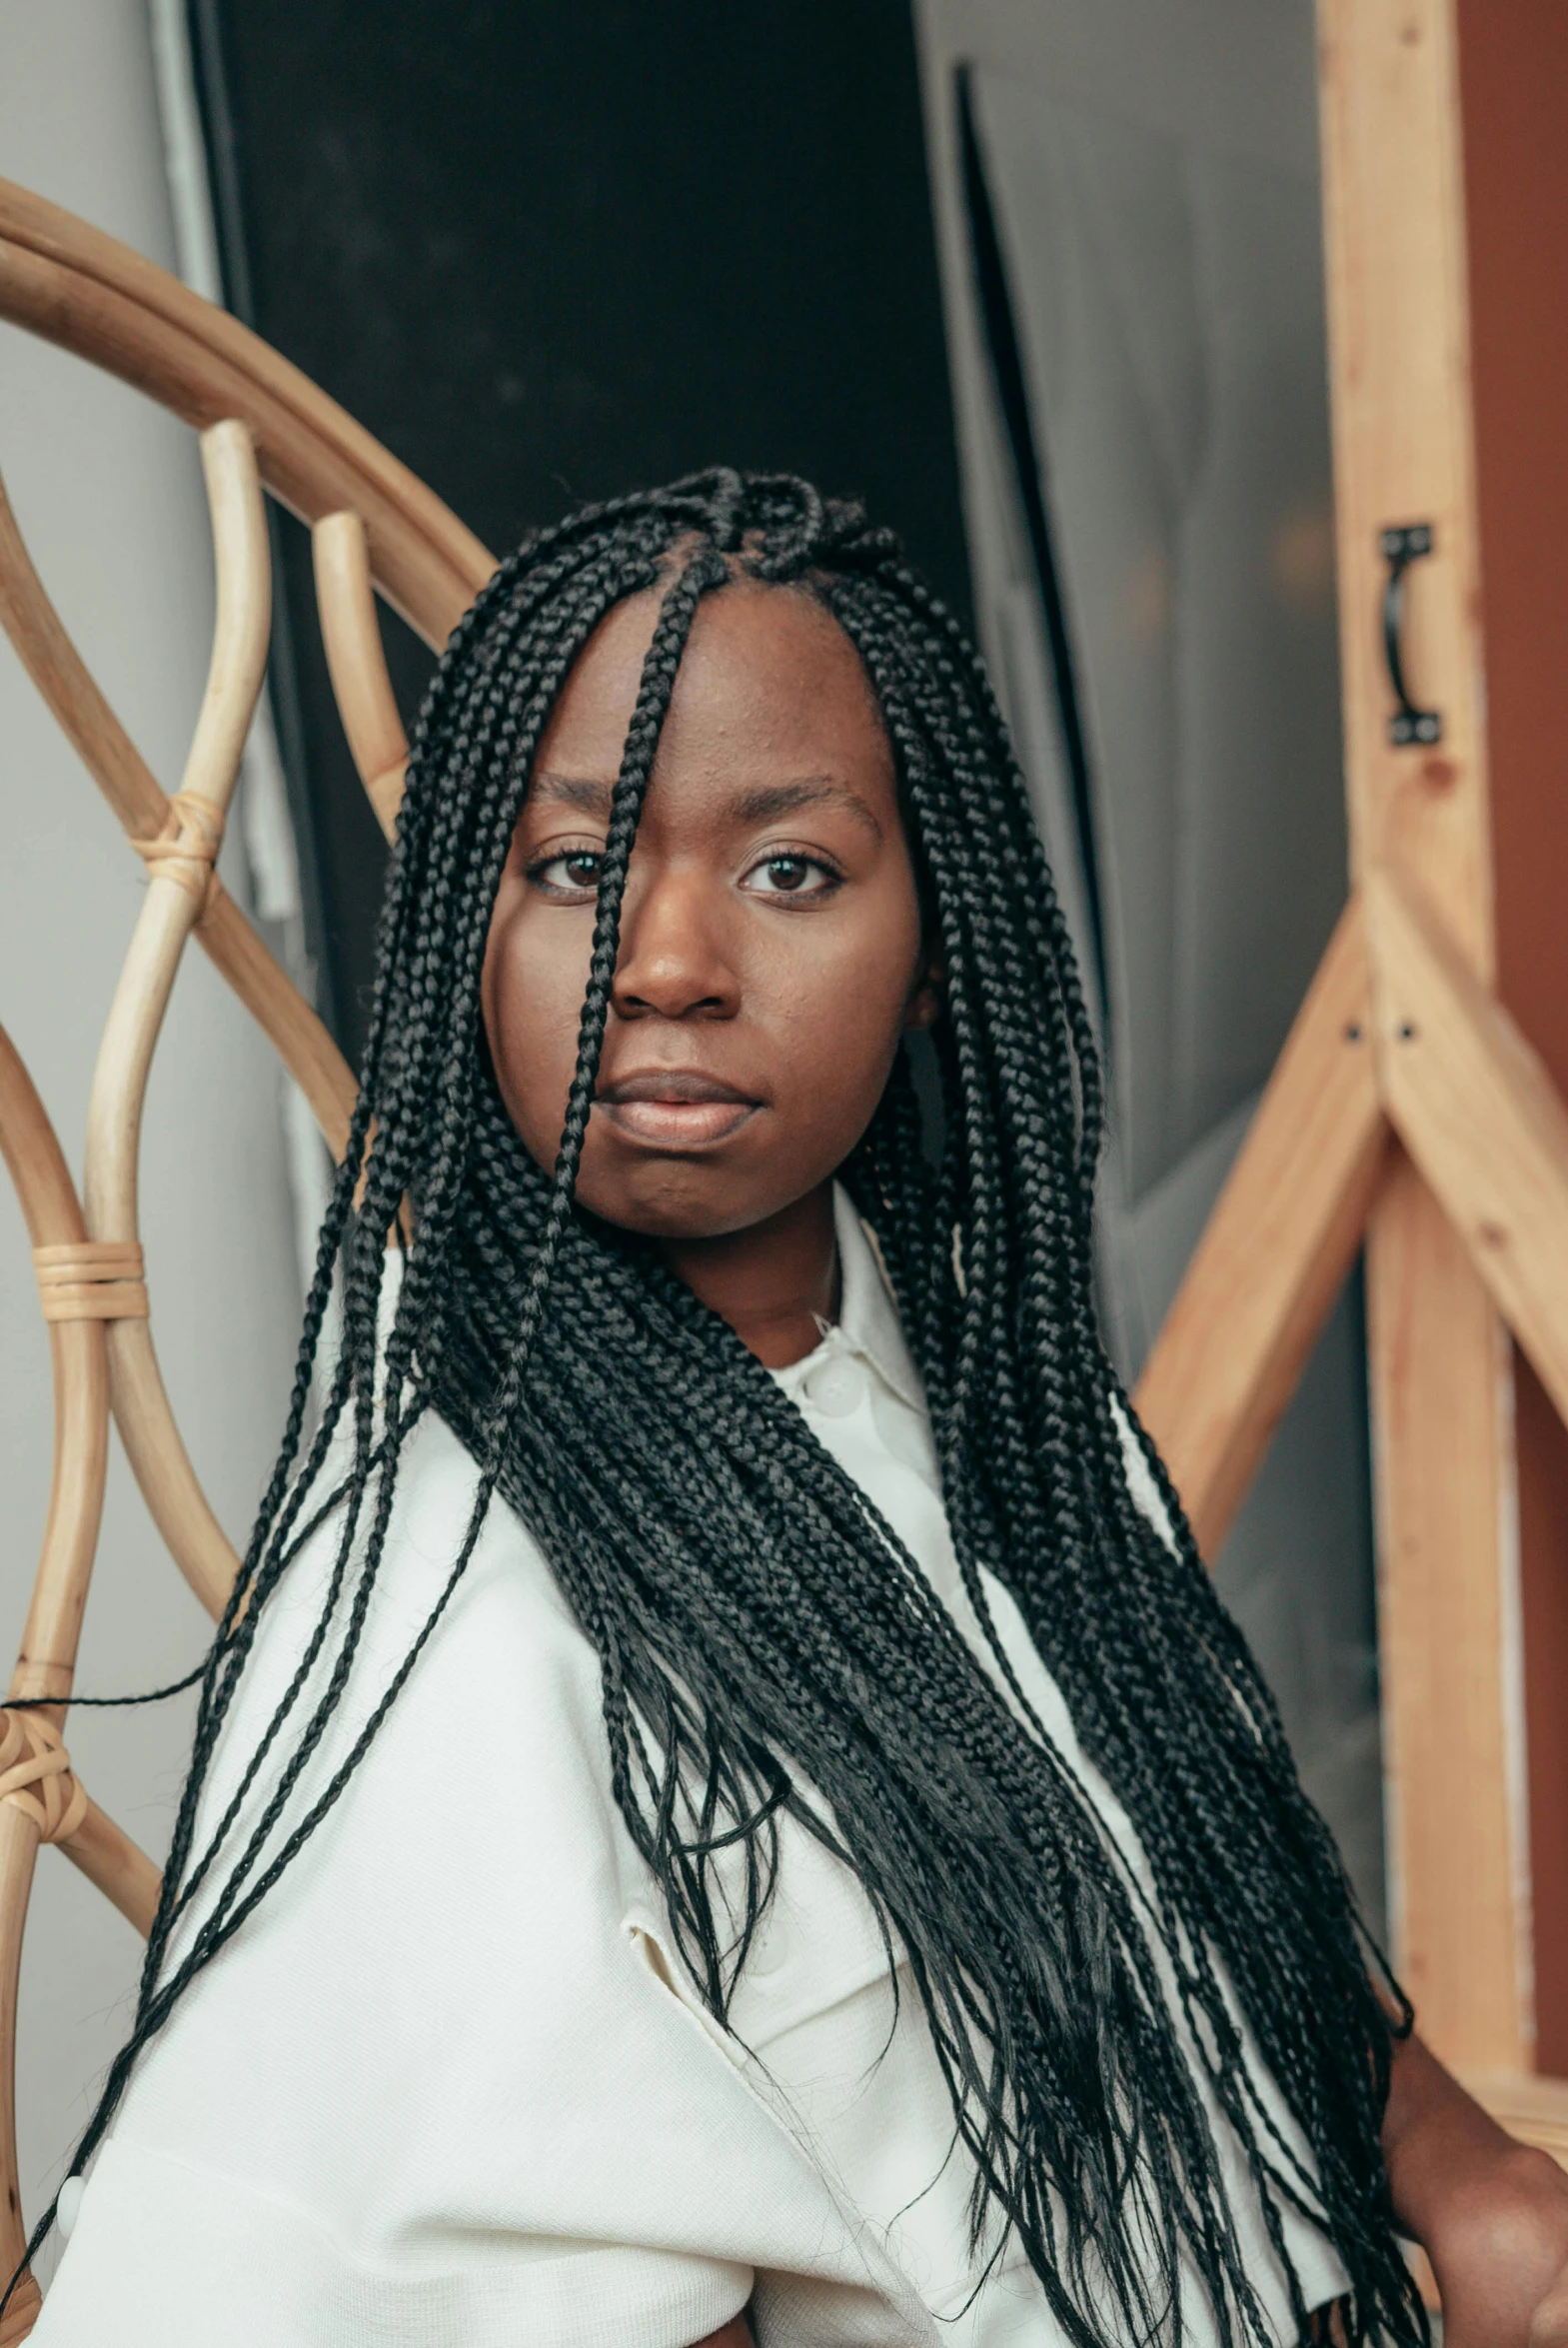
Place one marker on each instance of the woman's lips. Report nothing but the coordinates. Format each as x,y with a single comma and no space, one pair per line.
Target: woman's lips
677,1107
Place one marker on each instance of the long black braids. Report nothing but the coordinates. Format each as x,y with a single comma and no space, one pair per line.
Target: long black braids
767,1645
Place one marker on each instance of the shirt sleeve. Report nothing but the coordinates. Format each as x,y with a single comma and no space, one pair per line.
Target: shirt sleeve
435,2092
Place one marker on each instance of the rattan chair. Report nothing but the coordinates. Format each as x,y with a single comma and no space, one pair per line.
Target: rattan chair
375,527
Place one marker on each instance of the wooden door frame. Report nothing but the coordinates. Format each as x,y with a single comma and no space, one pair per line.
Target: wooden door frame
1407,1110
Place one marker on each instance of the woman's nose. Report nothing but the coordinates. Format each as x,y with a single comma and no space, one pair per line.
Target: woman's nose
673,964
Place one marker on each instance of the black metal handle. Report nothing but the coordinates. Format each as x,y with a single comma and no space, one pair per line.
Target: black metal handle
1401,548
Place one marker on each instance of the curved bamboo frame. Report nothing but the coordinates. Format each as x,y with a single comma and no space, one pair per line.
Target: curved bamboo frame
376,528
127,782
103,1353
176,894
345,596
47,1661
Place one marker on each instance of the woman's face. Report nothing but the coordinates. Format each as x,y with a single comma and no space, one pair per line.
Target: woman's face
770,948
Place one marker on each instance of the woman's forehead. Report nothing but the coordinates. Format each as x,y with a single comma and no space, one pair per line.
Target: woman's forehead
767,679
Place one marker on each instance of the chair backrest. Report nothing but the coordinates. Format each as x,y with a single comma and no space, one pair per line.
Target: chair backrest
376,528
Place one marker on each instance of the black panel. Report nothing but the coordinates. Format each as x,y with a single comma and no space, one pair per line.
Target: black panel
550,252
999,329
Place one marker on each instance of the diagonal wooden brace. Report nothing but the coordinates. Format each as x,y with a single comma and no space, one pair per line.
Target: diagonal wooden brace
1275,1252
1479,1115
1395,1030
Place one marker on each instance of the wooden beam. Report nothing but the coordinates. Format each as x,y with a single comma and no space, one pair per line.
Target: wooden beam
1531,2108
1275,1252
1399,377
1476,1110
1513,69
1440,1366
1443,1470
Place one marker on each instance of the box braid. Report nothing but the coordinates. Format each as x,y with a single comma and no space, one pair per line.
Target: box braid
767,1643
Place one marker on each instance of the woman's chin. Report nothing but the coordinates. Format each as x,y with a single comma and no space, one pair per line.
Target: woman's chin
672,1202
676,1197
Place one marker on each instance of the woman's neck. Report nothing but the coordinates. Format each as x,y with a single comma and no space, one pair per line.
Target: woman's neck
773,1282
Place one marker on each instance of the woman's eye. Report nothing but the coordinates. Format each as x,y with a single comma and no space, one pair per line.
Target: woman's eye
790,876
571,875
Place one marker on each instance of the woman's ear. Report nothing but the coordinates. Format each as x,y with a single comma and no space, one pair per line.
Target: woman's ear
925,997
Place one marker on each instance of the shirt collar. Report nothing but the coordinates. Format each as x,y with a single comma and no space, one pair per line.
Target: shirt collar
867,1317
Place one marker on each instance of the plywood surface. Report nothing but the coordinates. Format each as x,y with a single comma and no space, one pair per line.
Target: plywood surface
1440,1370
1275,1252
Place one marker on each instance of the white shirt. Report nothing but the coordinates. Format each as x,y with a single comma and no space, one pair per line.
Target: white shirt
448,2087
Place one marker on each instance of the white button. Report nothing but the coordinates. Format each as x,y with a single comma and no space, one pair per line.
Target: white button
835,1387
69,2203
771,1947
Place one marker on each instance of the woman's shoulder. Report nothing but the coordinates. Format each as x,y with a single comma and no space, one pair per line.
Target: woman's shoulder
493,1737
506,1588
455,2041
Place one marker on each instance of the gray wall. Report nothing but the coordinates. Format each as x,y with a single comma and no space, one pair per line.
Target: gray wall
108,492
1154,178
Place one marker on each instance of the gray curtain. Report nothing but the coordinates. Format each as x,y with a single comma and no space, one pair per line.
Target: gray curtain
1128,202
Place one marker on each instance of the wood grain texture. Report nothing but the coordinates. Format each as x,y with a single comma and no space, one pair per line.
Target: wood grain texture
1446,1555
1440,1366
1480,1117
1513,71
346,601
1275,1250
1401,408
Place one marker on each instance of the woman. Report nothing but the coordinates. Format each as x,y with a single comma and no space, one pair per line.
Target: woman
725,1784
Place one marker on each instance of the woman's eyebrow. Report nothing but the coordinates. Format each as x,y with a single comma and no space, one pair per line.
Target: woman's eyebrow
770,799
572,791
764,803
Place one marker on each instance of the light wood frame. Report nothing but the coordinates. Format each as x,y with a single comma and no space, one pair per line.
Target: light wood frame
1407,1108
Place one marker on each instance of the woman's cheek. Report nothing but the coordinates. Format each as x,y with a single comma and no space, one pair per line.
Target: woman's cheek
533,1033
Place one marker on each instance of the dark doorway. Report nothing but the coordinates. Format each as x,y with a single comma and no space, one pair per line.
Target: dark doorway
547,254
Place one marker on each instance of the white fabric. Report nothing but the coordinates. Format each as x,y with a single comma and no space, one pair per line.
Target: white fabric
449,2089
